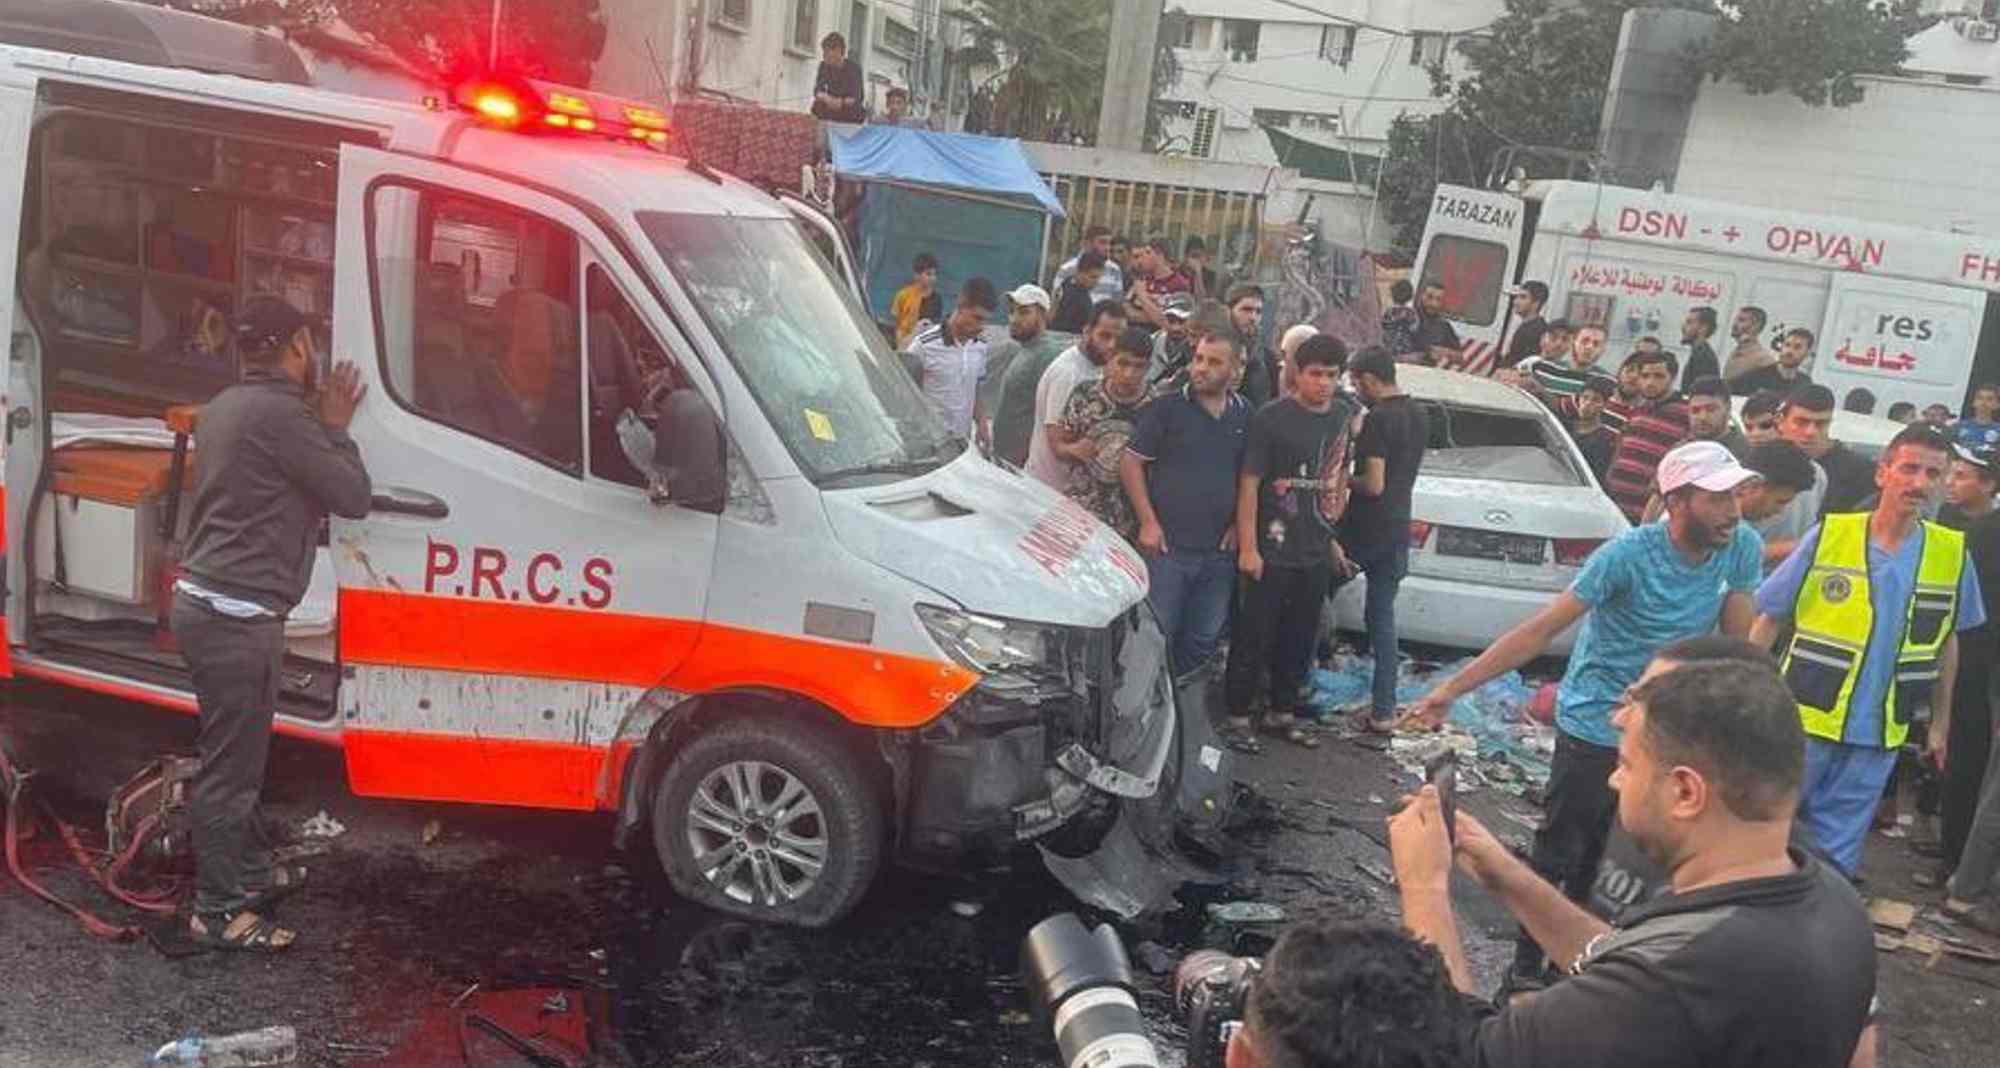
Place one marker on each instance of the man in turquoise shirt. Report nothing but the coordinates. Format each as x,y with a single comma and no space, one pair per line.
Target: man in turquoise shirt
1647,588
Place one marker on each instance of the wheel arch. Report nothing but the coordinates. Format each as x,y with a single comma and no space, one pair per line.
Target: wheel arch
689,716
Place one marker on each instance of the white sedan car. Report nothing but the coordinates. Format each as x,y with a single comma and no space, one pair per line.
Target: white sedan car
1504,513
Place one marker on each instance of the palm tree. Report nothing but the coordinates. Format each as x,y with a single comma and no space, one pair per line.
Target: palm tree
1051,56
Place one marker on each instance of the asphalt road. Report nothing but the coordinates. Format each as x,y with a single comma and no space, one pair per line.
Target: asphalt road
512,924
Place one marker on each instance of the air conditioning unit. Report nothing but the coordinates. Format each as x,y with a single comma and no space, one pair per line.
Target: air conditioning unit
1981,30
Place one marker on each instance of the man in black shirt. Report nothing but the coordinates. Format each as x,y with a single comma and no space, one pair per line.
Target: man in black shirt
1788,375
1437,342
1529,300
1289,499
1375,532
837,89
1696,329
1969,506
1760,954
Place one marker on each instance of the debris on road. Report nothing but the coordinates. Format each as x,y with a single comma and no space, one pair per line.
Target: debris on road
1246,912
322,825
1493,723
1894,915
1377,872
433,831
265,1048
1154,957
967,908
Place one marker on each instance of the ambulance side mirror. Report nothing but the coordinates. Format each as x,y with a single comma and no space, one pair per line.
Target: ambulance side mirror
690,453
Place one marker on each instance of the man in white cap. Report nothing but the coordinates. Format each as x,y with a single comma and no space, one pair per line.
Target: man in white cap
1647,588
1028,310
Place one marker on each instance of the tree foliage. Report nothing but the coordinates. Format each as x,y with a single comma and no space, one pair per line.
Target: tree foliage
1051,54
1812,49
1536,79
555,39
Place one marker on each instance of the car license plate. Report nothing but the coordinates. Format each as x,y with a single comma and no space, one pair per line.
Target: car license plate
1491,545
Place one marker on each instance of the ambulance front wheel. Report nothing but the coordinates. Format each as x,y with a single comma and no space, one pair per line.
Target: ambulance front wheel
775,821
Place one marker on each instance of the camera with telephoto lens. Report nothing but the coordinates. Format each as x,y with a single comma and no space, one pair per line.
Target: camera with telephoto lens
1211,993
1080,986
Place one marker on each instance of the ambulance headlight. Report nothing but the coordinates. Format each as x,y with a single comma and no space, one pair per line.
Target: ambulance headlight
1007,654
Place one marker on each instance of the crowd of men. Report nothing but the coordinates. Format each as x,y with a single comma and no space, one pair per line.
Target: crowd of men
1786,619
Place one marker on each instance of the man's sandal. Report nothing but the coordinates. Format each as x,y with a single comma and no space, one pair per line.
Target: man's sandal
286,880
240,930
1287,730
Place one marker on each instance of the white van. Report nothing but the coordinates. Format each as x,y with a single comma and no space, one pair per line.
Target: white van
839,637
1905,314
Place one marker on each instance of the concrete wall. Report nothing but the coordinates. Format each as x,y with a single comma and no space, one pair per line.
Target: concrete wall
1918,153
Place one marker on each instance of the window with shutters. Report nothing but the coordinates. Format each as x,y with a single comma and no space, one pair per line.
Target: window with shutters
1336,44
1239,39
1428,49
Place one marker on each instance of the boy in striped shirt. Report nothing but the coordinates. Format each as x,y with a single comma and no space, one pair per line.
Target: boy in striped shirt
1655,423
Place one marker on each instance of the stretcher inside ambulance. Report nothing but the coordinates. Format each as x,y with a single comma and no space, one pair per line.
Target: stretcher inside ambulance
661,527
1899,313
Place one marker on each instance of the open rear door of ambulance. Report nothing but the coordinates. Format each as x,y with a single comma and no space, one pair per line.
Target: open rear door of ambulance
20,406
1471,247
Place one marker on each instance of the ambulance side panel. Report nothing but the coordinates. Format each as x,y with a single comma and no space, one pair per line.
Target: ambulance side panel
1900,341
20,463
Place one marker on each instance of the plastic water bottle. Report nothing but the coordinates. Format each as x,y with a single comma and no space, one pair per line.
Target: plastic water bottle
251,1049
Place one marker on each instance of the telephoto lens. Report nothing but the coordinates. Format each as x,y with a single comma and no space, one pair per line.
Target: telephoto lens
1080,985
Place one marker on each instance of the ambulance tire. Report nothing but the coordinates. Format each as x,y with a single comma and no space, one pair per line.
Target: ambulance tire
844,828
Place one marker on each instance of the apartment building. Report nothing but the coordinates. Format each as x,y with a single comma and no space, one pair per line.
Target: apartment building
767,51
1259,75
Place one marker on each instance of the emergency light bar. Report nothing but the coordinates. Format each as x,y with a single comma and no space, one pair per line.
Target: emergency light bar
525,104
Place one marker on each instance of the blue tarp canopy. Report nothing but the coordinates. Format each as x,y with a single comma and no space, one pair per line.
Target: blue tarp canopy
991,165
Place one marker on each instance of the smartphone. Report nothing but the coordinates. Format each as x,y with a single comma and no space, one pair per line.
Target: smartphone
1442,772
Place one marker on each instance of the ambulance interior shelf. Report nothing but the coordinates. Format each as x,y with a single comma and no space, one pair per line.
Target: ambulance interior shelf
150,237
103,563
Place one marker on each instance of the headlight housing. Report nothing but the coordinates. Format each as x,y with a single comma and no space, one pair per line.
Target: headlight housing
1009,655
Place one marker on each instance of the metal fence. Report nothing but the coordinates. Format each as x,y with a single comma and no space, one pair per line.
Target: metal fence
1229,223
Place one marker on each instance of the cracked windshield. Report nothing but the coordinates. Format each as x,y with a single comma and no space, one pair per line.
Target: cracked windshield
1000,533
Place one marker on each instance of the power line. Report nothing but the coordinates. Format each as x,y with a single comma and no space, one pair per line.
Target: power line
1348,20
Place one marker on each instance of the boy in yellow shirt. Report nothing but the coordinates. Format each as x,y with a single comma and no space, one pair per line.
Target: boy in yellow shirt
917,302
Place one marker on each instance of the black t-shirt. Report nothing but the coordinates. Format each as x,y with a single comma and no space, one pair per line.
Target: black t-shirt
1397,431
1702,364
1763,378
1982,544
1597,447
1748,974
1072,309
1435,330
1300,457
1527,341
1850,480
841,80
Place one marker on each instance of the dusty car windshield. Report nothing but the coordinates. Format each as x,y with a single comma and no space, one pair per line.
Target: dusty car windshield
820,370
1482,443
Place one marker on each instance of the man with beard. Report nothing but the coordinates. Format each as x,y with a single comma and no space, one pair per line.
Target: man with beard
1757,954
1655,584
1052,450
1179,472
1013,368
1874,601
1696,328
1750,354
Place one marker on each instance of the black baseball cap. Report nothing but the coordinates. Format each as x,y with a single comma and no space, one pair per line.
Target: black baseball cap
266,323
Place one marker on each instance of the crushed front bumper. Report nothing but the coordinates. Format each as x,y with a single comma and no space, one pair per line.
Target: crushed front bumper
1004,767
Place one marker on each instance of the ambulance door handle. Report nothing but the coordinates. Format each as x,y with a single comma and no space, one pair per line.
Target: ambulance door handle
19,419
400,500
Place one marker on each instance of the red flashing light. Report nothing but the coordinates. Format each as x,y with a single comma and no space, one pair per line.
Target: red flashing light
498,105
526,104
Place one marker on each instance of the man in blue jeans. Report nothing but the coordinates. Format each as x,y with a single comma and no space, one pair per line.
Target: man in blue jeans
1179,470
1375,532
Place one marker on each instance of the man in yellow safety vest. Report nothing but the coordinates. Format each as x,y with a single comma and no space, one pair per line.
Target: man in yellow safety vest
1875,600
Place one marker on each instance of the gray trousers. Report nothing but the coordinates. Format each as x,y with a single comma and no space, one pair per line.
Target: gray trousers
235,664
1981,860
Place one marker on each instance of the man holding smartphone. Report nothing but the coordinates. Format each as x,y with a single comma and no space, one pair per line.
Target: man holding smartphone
272,458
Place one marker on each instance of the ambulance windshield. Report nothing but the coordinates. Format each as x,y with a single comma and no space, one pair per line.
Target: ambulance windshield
821,371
